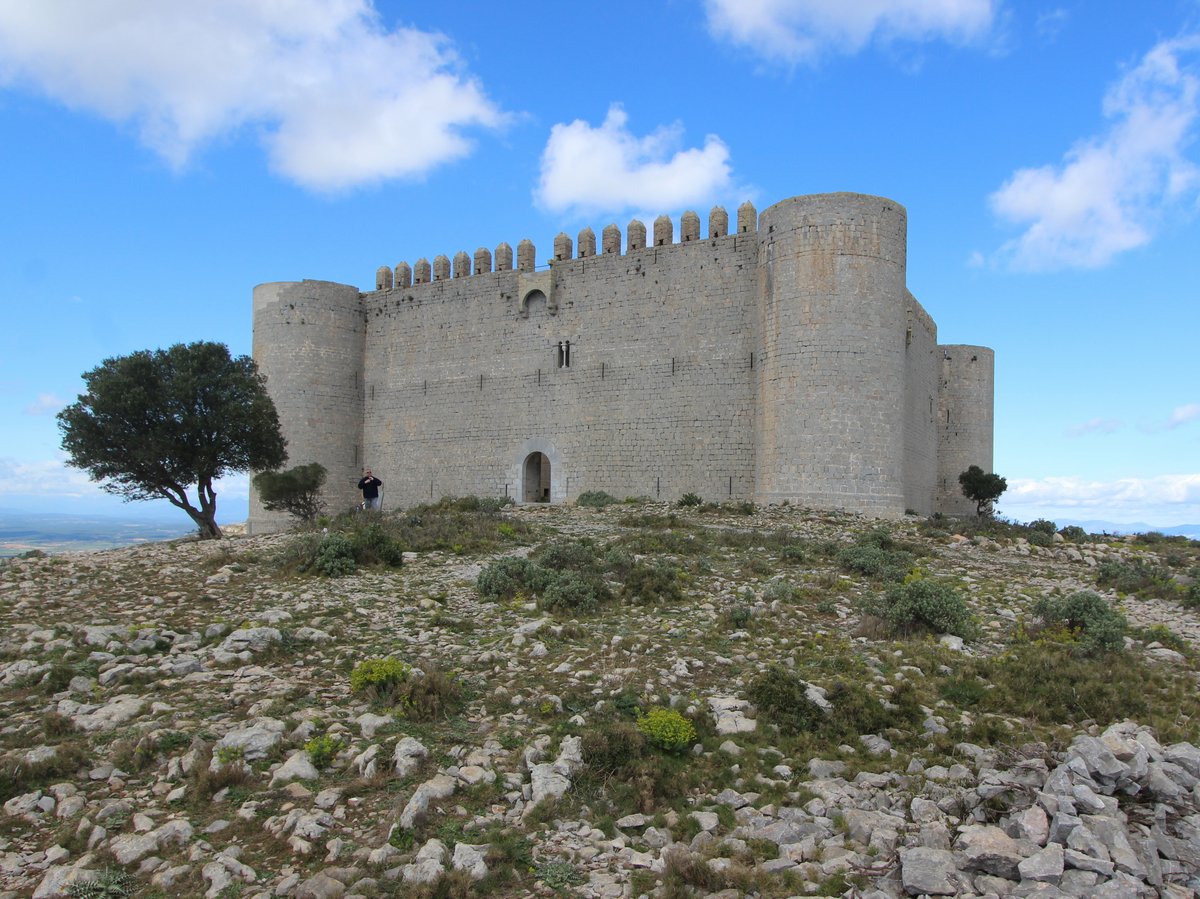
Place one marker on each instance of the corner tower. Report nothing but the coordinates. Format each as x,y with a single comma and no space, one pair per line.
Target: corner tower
831,294
309,338
965,421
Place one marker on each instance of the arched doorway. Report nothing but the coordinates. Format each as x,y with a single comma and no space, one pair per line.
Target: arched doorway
536,479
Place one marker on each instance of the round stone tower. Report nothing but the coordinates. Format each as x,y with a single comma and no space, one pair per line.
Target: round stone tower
965,422
831,366
308,342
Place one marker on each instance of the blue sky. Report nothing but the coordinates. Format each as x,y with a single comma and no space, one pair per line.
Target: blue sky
160,158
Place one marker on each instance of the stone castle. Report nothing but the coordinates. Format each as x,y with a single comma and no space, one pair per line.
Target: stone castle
783,361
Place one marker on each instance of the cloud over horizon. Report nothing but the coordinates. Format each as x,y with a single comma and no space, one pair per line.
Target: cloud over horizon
609,168
1164,500
338,99
803,31
1110,192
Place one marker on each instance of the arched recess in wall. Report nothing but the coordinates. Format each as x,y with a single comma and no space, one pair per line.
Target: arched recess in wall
539,472
535,481
531,299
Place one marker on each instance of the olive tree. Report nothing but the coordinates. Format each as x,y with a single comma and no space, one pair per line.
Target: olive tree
981,487
153,424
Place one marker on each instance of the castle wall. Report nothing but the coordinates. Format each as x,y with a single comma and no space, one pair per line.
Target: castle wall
831,384
965,421
657,400
308,342
921,360
784,362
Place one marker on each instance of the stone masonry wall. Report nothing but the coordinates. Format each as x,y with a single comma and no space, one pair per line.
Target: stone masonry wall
657,399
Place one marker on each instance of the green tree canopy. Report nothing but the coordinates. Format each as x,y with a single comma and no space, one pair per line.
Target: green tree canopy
154,423
984,489
296,491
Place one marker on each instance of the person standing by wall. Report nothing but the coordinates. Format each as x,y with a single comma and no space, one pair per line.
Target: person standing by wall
369,485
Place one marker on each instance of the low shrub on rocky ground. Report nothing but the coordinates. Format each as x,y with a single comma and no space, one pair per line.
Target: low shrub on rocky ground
471,699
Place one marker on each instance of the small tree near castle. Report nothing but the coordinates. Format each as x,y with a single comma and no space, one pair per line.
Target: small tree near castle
982,488
296,491
154,423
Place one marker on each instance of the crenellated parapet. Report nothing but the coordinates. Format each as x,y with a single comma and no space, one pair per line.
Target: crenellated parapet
565,249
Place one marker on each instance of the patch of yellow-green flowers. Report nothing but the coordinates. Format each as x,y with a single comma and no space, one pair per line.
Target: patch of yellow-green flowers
667,729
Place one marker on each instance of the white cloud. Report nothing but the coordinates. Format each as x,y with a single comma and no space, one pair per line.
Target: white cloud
340,99
50,478
609,168
45,404
1183,414
1095,426
1107,195
803,30
1165,500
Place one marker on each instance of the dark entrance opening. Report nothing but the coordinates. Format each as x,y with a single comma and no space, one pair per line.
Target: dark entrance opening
537,478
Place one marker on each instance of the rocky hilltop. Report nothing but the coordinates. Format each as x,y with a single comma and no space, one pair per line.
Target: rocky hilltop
463,700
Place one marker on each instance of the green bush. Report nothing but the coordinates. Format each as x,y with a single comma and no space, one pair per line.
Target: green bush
296,491
876,555
1136,576
667,729
1045,526
569,555
1073,533
572,591
382,677
595,499
1039,538
334,555
1099,626
779,591
647,584
738,616
374,545
504,578
689,499
924,605
111,883
322,750
781,698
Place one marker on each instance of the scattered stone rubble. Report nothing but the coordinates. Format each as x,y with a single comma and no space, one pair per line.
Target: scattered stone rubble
250,670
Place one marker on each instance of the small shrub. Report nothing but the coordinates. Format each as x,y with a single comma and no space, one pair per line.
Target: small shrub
335,555
1039,538
1099,626
780,696
925,605
689,499
504,578
571,591
111,883
558,874
1137,576
1045,526
380,678
611,746
1073,533
876,555
323,749
595,499
667,729
430,695
738,617
779,591
647,584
